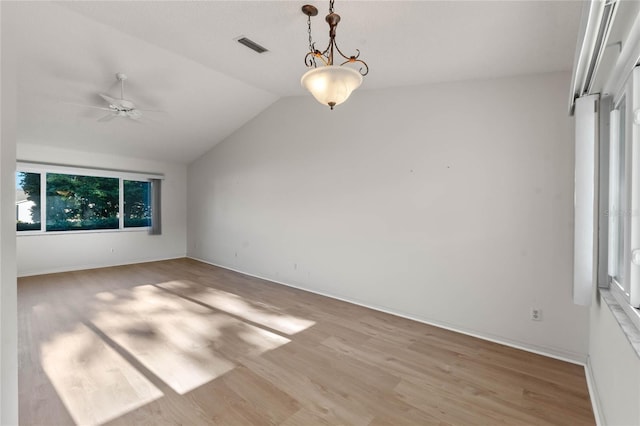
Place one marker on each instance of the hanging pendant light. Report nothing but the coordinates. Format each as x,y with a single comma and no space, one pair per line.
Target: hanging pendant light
330,84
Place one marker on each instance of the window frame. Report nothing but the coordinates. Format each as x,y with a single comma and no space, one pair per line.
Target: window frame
43,201
621,191
123,200
627,292
121,175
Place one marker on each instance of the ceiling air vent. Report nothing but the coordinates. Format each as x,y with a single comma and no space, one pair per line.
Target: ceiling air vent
252,45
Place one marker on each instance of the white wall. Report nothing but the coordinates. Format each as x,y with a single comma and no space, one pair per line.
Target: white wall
8,289
448,203
39,254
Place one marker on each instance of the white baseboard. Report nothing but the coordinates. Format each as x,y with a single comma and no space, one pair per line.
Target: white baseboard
559,354
593,394
93,266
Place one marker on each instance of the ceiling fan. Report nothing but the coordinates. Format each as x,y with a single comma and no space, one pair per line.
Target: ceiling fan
122,107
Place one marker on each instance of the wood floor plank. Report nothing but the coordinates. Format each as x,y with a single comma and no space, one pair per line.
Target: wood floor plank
521,374
183,342
327,402
306,417
267,400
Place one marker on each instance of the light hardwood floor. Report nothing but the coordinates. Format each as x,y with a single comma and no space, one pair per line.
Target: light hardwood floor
182,342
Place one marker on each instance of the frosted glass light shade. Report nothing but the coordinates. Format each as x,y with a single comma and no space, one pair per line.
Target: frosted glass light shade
331,85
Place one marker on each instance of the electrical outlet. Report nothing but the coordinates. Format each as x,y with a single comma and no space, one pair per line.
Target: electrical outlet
536,314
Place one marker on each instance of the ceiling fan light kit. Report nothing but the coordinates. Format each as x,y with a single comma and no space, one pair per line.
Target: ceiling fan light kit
330,84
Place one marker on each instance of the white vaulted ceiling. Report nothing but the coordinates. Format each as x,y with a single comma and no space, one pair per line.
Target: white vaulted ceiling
182,58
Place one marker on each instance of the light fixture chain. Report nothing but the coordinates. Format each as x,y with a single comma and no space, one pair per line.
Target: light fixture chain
312,47
331,6
309,31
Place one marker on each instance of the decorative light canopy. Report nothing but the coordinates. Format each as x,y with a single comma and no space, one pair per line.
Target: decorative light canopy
330,84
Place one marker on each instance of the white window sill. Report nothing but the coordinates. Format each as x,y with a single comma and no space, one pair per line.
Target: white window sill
627,317
82,231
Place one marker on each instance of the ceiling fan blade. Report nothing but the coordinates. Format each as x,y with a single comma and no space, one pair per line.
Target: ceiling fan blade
109,99
137,121
144,119
107,117
126,104
86,106
134,114
151,110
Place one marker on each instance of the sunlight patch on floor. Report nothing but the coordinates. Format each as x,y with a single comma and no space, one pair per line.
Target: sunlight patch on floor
236,305
93,395
183,343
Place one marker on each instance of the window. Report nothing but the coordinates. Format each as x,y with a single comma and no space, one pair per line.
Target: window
72,199
81,202
28,201
624,199
618,201
137,204
623,202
